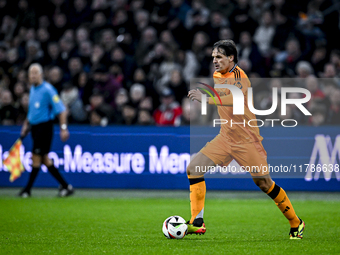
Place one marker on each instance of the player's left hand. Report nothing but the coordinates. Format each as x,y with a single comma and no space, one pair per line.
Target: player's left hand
64,135
195,94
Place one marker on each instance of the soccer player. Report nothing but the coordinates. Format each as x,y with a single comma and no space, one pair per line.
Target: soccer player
44,105
239,142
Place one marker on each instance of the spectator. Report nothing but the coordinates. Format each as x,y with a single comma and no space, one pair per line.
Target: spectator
240,21
55,77
189,64
59,26
145,118
177,85
98,56
166,68
25,15
291,56
84,52
107,40
129,114
146,44
84,86
247,49
82,35
264,34
334,111
304,69
75,67
199,42
319,59
79,13
98,118
335,59
217,21
33,53
67,50
23,108
97,101
169,112
319,114
74,105
22,76
197,16
146,104
329,71
312,85
225,33
13,62
139,76
7,27
225,6
8,113
124,61
121,99
43,37
105,84
98,24
52,58
179,9
137,94
168,40
121,23
141,19
18,90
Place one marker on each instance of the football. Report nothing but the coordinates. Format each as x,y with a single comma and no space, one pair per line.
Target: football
174,227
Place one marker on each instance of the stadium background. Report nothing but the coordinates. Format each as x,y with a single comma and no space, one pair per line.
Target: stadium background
113,63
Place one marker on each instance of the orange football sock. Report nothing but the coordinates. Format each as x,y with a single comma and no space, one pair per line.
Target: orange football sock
283,203
197,197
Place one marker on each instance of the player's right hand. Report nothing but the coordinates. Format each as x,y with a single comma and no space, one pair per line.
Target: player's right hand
25,130
195,94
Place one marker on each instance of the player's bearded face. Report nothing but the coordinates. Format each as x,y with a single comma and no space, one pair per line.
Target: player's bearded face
221,62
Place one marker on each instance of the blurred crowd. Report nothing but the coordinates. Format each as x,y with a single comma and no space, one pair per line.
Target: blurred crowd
130,62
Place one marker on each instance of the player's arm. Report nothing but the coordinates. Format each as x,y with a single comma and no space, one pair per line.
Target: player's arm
25,129
64,133
60,110
196,94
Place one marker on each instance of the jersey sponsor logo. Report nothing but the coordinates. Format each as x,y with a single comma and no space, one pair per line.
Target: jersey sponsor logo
56,99
239,85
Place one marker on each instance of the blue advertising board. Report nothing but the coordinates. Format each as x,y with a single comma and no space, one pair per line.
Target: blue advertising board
302,158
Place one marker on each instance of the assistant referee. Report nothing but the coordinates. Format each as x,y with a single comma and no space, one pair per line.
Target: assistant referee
44,105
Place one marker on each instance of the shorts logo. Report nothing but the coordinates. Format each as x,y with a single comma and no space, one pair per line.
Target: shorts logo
36,104
56,98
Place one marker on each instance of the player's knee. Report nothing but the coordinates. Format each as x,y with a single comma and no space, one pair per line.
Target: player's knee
189,170
263,185
192,171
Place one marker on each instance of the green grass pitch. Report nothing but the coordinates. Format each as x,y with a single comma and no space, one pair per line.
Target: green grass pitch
130,222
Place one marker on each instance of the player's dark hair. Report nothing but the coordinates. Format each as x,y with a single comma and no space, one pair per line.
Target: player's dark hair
227,48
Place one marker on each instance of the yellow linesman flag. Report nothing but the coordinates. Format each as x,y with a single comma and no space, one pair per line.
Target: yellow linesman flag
13,161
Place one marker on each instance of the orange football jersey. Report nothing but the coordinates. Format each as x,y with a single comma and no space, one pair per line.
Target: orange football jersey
237,130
